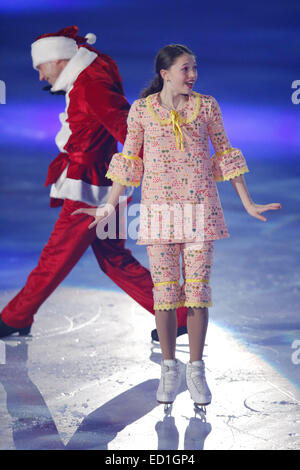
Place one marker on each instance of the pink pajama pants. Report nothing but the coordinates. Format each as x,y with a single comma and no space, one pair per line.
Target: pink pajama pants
197,260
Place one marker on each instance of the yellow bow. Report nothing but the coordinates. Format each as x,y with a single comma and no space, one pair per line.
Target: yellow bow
176,128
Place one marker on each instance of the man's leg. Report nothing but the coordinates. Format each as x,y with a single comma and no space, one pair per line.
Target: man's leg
68,241
124,270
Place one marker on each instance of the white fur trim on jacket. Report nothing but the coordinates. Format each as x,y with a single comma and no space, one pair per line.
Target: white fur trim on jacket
82,59
78,190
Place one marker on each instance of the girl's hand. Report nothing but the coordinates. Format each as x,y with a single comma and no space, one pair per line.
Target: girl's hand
98,213
256,209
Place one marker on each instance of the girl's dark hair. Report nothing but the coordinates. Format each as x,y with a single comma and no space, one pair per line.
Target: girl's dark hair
163,61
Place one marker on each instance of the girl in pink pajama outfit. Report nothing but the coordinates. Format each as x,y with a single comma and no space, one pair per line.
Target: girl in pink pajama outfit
180,214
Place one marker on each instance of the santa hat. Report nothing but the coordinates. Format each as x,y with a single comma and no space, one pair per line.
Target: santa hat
60,45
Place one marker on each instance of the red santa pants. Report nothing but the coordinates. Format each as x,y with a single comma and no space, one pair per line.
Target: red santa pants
68,241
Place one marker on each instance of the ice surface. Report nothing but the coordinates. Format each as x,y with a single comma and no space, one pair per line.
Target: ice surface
87,379
65,386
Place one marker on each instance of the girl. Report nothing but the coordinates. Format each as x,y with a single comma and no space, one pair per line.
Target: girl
172,124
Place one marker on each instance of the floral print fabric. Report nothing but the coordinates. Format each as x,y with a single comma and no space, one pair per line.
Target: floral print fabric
197,261
180,201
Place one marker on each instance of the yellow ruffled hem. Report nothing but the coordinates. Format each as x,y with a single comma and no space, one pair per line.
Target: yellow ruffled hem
238,172
121,180
182,303
168,306
197,304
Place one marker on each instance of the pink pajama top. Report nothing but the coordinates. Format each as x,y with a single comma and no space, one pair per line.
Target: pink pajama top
180,201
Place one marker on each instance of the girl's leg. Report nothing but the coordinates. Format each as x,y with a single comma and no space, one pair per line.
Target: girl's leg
165,271
196,270
197,265
166,324
197,321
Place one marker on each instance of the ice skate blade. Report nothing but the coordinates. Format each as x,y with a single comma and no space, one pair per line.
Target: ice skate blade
200,409
168,407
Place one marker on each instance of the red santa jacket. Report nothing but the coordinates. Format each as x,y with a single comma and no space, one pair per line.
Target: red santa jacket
94,120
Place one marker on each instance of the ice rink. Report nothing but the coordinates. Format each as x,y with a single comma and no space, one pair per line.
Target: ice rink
87,379
87,376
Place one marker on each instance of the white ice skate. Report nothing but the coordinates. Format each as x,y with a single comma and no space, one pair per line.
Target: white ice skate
196,383
169,383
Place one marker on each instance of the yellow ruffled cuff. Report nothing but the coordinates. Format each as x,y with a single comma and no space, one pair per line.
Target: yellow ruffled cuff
182,303
126,169
228,164
168,306
197,304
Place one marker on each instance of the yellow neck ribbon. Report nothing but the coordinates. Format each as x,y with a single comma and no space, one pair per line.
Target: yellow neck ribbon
177,129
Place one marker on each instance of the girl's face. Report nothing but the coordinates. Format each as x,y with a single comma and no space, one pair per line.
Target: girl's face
182,75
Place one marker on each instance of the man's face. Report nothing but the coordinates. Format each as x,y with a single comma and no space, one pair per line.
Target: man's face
51,70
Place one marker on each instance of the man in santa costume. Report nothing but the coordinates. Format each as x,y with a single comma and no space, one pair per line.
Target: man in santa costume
95,119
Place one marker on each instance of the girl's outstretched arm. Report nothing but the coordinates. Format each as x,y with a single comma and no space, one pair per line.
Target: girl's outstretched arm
105,210
253,209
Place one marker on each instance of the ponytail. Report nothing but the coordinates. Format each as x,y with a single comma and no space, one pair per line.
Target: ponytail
155,86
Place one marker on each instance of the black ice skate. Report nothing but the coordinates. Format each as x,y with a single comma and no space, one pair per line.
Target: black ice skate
6,330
